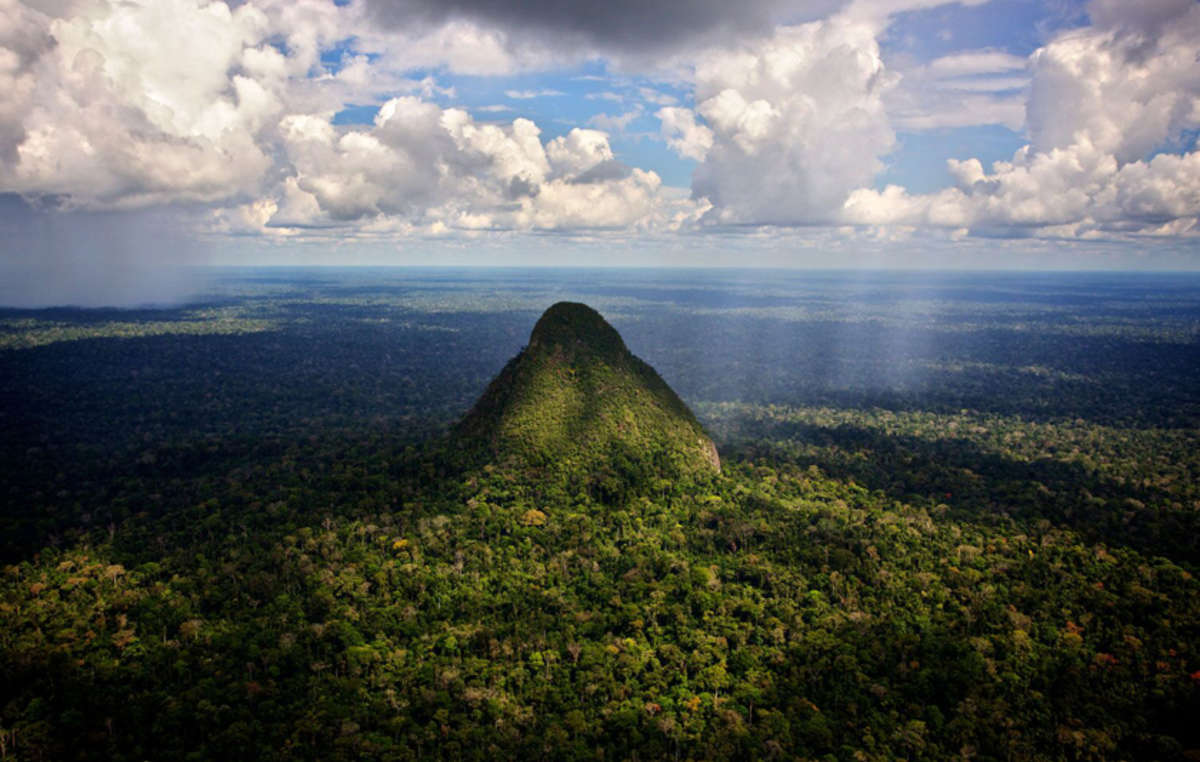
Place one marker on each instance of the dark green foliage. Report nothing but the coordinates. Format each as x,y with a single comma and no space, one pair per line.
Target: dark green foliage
241,546
577,411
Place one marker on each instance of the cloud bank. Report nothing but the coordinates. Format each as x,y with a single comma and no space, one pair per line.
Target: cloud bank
797,121
1107,106
230,117
639,27
422,165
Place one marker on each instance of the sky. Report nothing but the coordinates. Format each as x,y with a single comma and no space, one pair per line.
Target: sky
140,135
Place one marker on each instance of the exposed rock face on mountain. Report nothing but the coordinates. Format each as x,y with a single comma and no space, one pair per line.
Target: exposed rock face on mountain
576,401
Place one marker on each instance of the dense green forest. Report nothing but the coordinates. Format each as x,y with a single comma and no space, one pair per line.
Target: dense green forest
956,518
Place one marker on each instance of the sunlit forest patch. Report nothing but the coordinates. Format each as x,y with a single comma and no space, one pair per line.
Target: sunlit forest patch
25,333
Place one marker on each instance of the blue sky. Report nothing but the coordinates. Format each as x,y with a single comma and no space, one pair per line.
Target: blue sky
767,132
557,101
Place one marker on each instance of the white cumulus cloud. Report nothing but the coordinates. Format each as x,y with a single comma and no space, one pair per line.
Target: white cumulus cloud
793,123
1109,108
130,104
683,134
427,165
134,104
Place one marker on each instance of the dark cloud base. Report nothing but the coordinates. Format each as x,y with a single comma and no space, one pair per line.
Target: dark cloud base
633,26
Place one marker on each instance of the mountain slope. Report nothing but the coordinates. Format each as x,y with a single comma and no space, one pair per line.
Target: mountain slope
576,402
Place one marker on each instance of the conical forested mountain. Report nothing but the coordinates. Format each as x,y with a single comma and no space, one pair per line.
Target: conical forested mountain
576,403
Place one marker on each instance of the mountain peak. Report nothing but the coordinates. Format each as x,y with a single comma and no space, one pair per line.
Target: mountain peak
571,327
576,403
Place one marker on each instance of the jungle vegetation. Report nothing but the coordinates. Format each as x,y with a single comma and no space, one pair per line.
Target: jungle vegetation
955,518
